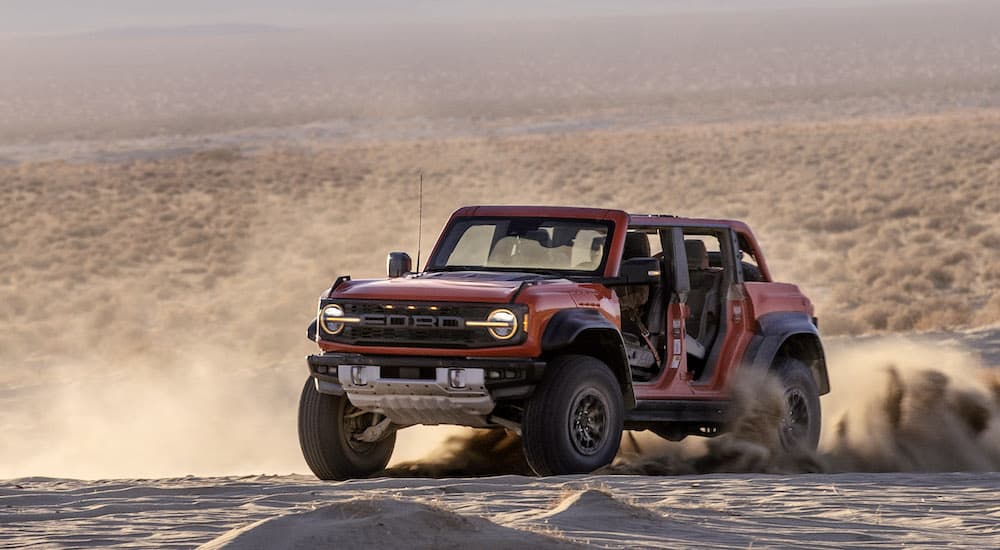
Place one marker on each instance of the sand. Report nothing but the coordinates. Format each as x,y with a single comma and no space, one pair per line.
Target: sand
719,511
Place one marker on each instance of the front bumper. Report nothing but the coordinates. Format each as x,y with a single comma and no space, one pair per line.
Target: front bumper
422,390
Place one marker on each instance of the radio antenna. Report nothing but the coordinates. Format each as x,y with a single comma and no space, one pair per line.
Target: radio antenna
420,217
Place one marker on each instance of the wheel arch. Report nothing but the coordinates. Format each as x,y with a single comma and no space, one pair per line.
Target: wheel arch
585,331
789,334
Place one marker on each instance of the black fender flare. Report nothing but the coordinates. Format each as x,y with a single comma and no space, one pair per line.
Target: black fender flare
586,331
795,333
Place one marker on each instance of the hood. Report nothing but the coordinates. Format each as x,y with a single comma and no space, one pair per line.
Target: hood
466,286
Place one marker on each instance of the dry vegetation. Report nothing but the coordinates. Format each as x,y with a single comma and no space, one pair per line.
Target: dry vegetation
888,224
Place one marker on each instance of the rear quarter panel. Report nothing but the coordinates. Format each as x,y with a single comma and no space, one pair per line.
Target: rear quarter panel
767,298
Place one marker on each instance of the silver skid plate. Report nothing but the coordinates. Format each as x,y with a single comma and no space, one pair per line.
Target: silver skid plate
409,401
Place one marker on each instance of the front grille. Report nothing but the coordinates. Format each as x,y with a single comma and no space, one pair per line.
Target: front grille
446,335
372,336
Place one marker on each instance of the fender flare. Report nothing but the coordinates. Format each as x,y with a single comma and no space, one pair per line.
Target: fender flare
586,331
793,331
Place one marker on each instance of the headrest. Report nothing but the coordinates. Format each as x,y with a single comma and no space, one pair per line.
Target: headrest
514,251
563,235
540,236
636,246
697,254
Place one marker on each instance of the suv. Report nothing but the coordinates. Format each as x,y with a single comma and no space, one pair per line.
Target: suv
564,325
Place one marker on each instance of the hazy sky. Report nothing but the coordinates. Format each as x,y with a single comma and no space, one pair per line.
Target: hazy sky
42,16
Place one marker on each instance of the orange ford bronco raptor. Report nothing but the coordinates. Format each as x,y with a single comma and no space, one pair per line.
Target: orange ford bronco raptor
565,325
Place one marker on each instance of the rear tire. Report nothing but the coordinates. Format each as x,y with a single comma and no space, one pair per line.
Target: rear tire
573,423
326,424
801,425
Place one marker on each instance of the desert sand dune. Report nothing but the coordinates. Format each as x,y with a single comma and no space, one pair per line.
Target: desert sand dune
381,523
720,511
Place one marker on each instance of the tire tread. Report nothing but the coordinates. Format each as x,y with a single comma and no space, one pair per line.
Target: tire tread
318,423
545,457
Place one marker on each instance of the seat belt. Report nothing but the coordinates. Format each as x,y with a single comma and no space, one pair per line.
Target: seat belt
644,332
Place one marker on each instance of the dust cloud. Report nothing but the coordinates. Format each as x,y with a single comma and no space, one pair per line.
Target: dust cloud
898,405
199,413
466,452
911,406
153,419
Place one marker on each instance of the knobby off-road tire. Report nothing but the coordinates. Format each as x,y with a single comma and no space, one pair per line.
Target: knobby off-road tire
573,422
801,425
325,426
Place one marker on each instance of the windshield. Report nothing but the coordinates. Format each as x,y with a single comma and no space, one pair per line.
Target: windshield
525,244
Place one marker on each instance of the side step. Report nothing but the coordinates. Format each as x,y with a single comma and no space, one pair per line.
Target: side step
679,410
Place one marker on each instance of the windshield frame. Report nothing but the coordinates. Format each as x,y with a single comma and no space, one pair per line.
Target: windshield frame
448,241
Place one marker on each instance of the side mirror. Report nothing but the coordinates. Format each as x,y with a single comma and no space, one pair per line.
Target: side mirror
640,271
398,264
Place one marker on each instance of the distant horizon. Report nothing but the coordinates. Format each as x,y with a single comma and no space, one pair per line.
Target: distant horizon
67,17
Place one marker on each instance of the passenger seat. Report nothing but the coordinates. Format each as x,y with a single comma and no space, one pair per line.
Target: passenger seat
703,299
633,298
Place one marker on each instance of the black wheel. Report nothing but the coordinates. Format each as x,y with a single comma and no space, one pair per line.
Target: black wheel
800,426
328,426
573,422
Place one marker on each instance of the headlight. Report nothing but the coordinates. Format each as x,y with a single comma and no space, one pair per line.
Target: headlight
502,324
332,319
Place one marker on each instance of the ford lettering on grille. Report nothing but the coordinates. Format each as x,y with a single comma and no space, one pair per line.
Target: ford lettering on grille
420,324
417,321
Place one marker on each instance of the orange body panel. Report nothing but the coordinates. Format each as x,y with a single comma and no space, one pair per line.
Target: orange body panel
403,288
772,297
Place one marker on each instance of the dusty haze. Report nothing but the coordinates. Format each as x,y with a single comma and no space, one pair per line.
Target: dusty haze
172,201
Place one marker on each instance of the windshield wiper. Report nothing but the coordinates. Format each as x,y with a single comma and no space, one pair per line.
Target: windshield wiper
456,268
546,272
485,269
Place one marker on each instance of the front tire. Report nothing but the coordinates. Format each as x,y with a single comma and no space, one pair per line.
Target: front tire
326,425
573,423
800,427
